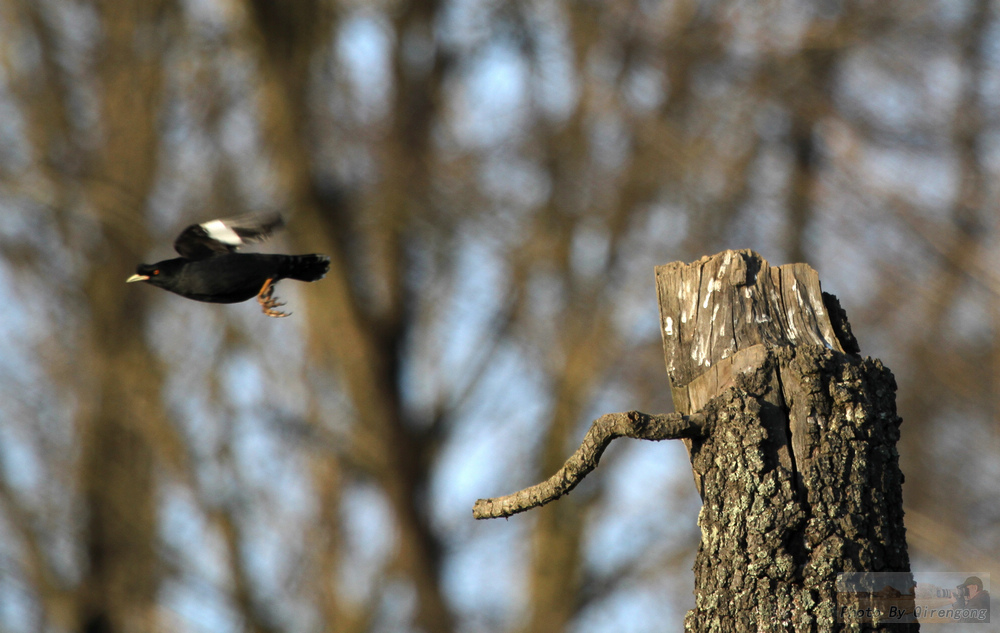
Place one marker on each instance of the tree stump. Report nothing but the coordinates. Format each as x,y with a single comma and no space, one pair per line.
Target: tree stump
792,437
799,472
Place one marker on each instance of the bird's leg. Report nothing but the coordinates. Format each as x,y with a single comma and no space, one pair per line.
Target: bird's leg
267,301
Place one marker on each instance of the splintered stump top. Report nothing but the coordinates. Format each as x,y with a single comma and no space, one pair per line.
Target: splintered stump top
719,315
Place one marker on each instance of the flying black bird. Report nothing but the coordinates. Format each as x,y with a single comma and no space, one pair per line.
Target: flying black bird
210,268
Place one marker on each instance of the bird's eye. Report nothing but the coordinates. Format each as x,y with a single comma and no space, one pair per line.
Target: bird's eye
156,272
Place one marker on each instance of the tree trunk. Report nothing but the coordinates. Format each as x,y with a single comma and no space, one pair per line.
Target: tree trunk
120,581
799,472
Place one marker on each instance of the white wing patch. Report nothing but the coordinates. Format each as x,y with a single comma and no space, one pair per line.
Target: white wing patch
218,231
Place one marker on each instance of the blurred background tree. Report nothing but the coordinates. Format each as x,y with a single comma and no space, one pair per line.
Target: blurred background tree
494,182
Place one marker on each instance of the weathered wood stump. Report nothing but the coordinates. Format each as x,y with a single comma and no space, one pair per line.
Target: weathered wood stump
799,473
792,438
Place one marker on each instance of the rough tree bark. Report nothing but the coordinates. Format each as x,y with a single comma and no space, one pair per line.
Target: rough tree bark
799,474
792,437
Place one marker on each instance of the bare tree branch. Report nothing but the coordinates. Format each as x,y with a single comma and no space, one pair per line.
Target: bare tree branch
608,427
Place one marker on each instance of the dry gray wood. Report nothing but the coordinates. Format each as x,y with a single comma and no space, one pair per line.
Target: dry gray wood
720,314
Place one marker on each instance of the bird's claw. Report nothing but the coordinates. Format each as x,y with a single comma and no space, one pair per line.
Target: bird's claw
268,302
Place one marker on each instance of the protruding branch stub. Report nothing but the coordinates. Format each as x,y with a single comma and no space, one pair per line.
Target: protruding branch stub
720,315
606,428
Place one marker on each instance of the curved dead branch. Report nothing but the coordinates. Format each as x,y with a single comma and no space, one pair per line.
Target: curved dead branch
604,430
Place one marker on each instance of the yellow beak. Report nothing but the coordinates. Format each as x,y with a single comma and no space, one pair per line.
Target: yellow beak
136,278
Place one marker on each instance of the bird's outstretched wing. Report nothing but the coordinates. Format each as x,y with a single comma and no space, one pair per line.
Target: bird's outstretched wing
217,237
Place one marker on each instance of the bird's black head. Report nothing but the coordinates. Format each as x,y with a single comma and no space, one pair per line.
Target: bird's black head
158,274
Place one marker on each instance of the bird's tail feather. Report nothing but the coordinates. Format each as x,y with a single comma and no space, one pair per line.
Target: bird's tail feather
306,267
